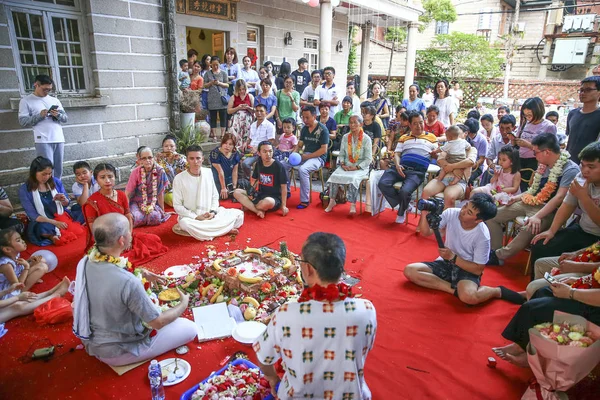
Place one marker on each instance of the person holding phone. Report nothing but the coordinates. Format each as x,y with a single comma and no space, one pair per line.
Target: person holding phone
45,114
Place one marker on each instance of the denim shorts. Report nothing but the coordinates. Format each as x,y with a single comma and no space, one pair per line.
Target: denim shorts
452,273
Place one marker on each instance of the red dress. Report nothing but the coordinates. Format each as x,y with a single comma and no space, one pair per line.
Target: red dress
144,246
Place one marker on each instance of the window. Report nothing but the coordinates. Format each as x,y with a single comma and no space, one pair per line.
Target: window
311,52
441,28
505,20
253,45
50,43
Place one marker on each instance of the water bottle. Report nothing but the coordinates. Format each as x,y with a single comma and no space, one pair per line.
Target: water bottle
156,383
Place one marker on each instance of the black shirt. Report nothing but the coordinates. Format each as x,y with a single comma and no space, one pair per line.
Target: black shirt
373,130
315,139
301,80
582,130
271,179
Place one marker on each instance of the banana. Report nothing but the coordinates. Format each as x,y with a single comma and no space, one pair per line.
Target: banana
253,250
216,295
247,279
299,277
207,288
286,262
252,301
217,264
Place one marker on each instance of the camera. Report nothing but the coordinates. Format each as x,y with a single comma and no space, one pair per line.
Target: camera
435,207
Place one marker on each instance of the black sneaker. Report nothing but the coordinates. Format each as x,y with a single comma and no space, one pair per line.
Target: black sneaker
494,260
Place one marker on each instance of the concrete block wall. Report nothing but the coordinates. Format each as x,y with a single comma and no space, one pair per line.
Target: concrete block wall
127,64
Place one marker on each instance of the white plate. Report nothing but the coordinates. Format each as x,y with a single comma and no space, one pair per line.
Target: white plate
178,271
247,332
169,364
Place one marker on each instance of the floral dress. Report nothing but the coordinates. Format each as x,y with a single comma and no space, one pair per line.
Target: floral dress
172,165
144,207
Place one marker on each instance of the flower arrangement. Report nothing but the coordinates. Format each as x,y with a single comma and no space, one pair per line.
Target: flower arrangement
565,334
330,293
354,152
146,207
95,255
534,196
236,382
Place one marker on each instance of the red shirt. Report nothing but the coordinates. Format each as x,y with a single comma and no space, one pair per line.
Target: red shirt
437,128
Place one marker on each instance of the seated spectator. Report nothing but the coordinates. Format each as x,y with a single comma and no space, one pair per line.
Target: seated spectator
460,265
433,125
13,268
342,117
474,114
560,296
488,129
372,128
112,330
411,160
271,178
414,103
428,97
172,162
196,202
584,193
85,185
506,127
240,108
478,141
288,142
314,139
307,97
144,246
328,121
268,99
146,190
506,178
322,266
225,162
456,150
6,210
539,203
583,124
398,127
45,201
354,160
261,130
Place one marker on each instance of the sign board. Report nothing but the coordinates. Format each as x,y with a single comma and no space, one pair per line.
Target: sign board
221,9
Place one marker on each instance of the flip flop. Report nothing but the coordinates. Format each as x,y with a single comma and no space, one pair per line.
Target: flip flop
511,296
302,206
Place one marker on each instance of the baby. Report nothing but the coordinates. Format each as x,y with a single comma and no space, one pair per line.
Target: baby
456,150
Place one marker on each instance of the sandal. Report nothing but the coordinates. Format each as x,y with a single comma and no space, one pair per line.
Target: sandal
302,205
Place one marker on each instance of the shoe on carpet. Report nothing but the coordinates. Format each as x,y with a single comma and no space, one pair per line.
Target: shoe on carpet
401,218
494,260
302,206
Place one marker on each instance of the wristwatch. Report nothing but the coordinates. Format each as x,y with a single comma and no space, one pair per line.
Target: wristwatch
453,261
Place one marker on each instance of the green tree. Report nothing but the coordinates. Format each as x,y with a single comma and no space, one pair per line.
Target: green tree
437,10
352,51
396,34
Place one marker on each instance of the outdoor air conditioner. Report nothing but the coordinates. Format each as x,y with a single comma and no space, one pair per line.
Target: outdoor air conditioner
579,23
520,27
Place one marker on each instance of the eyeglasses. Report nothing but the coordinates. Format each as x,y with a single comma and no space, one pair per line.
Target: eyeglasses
536,152
149,158
586,90
328,73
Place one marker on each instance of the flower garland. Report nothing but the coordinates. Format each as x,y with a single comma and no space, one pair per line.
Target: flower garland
330,293
122,262
145,207
354,153
590,281
534,198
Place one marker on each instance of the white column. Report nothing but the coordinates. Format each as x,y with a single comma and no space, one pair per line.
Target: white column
411,56
326,33
364,59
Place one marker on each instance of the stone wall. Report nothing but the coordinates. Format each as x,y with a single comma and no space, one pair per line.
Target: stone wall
127,107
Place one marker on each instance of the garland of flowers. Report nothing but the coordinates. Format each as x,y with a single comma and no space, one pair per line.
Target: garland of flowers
352,155
330,293
96,255
534,198
145,207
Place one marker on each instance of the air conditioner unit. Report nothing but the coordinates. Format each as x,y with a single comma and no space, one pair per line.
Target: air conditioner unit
570,51
520,27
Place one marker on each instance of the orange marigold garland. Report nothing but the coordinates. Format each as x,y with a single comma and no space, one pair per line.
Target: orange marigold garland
354,152
536,197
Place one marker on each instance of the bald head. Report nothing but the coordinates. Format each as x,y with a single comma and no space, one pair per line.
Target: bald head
109,228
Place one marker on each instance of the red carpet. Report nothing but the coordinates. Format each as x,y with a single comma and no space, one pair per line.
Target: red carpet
428,344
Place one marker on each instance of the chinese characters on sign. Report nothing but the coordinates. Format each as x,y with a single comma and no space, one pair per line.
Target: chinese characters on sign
221,9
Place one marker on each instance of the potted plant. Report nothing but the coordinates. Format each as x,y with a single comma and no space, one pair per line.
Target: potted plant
189,105
191,134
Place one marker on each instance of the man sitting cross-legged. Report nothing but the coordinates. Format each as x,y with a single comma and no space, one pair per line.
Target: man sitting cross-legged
271,178
196,201
325,336
110,303
460,265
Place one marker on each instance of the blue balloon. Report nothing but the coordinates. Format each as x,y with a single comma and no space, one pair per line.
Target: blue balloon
295,159
49,257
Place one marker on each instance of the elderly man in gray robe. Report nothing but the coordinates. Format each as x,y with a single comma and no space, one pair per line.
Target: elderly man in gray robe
196,201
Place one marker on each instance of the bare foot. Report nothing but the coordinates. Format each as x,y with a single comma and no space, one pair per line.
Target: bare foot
63,286
234,231
261,214
512,349
330,206
352,209
519,360
54,239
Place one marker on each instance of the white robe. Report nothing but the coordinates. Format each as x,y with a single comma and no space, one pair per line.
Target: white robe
196,195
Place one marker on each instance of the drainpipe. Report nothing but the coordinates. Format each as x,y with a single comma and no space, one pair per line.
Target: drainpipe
171,64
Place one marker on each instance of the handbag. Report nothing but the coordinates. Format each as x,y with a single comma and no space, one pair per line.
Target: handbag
53,312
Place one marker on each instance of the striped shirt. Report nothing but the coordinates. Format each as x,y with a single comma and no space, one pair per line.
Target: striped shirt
416,151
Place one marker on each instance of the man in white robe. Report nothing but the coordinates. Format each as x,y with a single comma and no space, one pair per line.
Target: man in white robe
196,201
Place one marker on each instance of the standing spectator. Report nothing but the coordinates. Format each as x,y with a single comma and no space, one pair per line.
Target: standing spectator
6,210
413,103
488,130
428,96
328,92
457,93
192,56
445,103
532,124
197,82
583,124
249,75
264,74
232,68
301,75
183,77
288,102
553,117
308,95
270,67
380,104
241,111
215,81
45,114
351,91
502,111
268,99
284,71
205,67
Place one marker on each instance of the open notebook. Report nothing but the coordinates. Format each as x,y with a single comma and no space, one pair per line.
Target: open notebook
213,321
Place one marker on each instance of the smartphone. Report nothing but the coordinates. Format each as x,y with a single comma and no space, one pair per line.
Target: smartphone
43,352
549,278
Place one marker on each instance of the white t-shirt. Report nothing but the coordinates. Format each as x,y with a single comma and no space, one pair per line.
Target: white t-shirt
323,347
77,188
325,93
586,223
447,107
47,130
427,99
472,245
308,94
456,148
266,131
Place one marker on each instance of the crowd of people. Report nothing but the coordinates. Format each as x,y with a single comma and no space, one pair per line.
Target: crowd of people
501,170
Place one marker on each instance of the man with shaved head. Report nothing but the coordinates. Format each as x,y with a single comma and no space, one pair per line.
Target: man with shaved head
111,305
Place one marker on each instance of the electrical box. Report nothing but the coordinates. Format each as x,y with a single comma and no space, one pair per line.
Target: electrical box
579,23
570,51
485,19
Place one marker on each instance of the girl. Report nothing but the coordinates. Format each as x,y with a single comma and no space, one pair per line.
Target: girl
288,142
197,82
172,162
225,161
444,102
487,127
216,82
241,111
13,268
380,104
45,201
433,125
144,246
146,190
507,177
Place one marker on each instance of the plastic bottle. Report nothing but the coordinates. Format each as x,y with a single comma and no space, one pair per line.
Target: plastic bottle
156,383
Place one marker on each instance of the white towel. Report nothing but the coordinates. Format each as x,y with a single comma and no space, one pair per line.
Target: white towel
39,207
81,304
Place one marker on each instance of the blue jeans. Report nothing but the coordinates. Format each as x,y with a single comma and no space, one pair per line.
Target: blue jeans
400,198
305,169
54,152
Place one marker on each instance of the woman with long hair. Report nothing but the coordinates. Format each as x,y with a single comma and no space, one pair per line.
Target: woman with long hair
204,68
285,69
225,161
216,81
197,82
45,201
444,102
380,103
240,108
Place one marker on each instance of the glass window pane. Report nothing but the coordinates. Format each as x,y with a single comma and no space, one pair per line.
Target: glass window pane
66,3
41,53
59,29
73,30
65,79
25,51
79,79
20,22
62,54
251,35
76,55
37,26
29,74
47,1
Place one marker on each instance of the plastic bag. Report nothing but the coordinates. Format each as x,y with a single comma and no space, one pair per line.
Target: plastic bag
55,311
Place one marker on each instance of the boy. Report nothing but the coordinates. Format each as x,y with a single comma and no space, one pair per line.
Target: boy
432,125
184,76
85,185
456,150
301,75
427,97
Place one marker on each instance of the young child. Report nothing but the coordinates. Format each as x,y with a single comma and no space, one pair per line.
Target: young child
184,76
13,268
288,142
85,185
506,179
432,125
456,150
